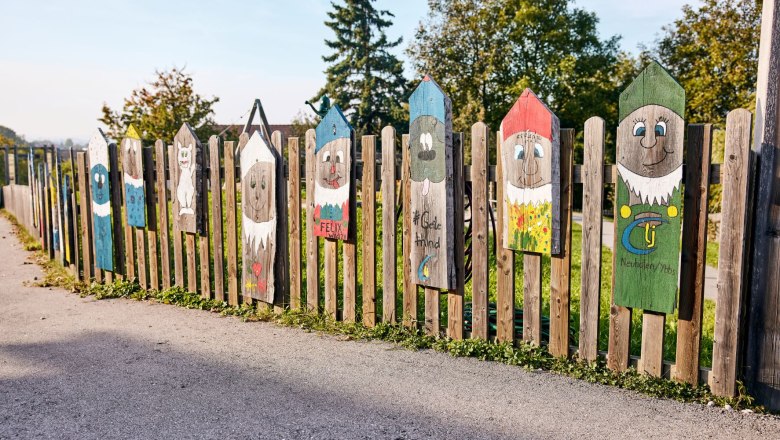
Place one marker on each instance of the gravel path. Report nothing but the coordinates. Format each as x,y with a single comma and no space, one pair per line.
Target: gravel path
79,368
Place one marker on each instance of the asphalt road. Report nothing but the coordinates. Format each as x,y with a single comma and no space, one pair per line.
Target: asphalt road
74,367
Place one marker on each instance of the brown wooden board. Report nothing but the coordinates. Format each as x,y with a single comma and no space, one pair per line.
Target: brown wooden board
161,161
116,211
648,199
432,198
409,317
281,267
455,296
530,157
85,216
215,184
186,177
505,262
178,256
312,242
230,224
560,263
479,237
259,216
389,265
694,253
592,224
294,213
151,224
333,165
368,201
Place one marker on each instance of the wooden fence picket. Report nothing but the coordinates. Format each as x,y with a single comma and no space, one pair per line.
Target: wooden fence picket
455,297
162,207
409,317
694,253
505,262
312,241
281,268
349,246
232,231
216,218
151,218
479,234
86,216
294,215
120,246
592,225
389,268
368,200
178,263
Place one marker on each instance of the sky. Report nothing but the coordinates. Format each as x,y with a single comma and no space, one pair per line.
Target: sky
60,61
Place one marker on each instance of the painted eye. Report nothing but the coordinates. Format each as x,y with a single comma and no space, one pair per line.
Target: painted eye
97,178
538,151
339,156
262,183
639,129
519,152
252,183
660,128
326,156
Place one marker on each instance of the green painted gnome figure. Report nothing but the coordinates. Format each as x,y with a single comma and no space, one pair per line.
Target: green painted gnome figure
648,221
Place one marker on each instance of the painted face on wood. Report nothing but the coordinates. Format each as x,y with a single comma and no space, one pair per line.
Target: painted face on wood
184,156
652,146
527,158
258,187
332,170
99,183
426,136
132,149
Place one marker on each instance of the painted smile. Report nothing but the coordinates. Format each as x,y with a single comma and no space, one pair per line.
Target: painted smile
666,153
333,182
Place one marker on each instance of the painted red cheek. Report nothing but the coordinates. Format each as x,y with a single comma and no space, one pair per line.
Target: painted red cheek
256,268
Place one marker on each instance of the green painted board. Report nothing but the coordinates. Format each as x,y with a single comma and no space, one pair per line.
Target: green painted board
649,209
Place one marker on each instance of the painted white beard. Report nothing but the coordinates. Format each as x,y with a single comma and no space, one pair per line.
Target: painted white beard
133,181
329,196
255,233
528,196
652,190
101,210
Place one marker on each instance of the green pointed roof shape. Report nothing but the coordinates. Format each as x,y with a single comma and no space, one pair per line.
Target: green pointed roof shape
654,86
132,133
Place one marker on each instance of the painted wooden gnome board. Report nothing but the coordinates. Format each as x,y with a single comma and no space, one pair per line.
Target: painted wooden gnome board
432,193
258,223
649,212
531,161
133,177
187,178
332,179
101,201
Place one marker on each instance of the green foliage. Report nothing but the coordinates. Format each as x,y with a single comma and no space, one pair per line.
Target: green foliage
484,53
713,53
160,109
363,77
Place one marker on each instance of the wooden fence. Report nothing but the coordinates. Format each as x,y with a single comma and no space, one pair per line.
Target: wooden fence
160,256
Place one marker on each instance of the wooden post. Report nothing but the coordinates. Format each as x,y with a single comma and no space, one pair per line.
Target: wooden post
389,265
410,288
216,218
736,177
762,360
151,222
294,212
592,225
204,247
694,252
455,296
479,242
162,204
232,231
368,198
312,242
86,216
350,244
116,209
505,262
178,264
281,270
560,270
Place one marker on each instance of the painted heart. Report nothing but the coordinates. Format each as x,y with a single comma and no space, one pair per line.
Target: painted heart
256,268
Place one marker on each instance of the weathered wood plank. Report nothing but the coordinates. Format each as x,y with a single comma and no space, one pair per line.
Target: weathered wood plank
652,357
734,252
350,244
161,163
432,204
560,263
409,317
532,298
186,175
230,222
192,270
694,253
312,242
432,324
455,296
178,251
281,269
140,242
116,207
100,195
260,218
215,184
368,200
505,262
389,264
294,213
85,216
331,277
204,248
151,223
592,225
619,317
479,241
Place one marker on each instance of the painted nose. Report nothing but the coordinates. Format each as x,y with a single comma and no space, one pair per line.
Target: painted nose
648,140
333,168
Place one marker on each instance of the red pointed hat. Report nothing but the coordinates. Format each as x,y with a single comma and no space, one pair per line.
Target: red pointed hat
528,114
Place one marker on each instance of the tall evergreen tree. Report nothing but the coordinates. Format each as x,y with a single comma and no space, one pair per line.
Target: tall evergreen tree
363,77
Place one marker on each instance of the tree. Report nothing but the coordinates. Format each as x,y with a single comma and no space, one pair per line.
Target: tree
159,110
363,77
485,52
713,52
